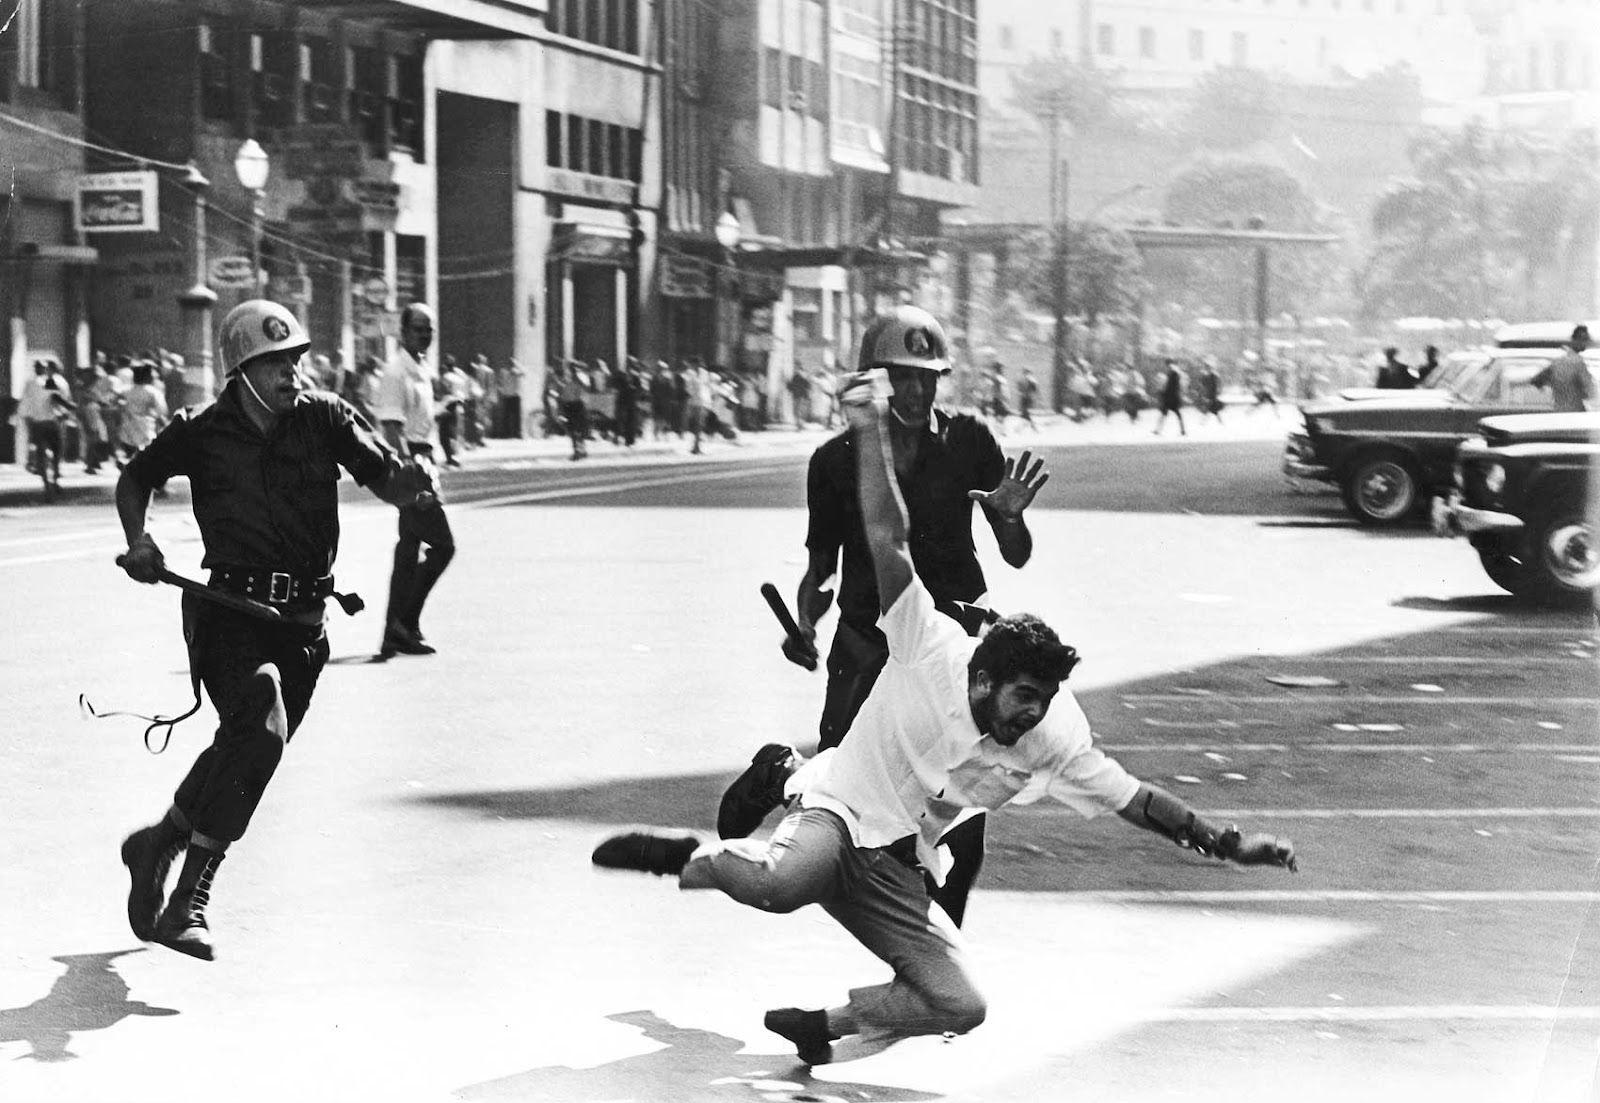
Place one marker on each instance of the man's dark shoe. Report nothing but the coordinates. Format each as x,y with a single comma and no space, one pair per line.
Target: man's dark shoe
400,640
808,1030
646,853
756,792
182,925
148,854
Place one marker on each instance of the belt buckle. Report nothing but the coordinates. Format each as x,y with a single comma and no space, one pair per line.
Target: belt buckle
279,587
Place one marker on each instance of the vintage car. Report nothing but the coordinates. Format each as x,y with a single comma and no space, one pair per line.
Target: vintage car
1389,454
1522,498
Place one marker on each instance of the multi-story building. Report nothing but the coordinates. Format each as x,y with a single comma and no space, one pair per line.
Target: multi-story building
339,99
851,126
548,224
44,261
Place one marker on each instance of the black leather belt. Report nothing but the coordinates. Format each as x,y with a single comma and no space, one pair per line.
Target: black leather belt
272,587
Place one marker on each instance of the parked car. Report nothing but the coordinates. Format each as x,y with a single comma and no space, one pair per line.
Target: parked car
1521,497
1389,454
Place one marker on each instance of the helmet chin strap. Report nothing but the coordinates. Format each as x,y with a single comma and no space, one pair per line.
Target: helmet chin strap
255,394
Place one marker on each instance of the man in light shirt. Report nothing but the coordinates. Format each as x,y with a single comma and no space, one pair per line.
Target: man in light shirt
1571,385
405,410
952,723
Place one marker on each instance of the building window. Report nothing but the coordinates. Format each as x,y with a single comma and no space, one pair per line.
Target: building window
1241,48
1057,40
217,96
1147,42
29,27
1197,45
1007,40
613,24
368,92
591,146
1105,37
405,104
319,80
272,68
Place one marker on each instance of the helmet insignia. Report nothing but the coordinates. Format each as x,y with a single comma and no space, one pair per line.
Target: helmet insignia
919,342
275,328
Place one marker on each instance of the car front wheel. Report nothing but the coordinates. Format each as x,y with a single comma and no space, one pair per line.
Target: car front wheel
1566,556
1381,490
1505,569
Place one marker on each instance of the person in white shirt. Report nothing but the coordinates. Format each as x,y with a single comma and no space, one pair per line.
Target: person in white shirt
952,723
404,408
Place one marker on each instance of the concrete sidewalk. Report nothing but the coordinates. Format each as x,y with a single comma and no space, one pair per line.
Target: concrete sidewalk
20,488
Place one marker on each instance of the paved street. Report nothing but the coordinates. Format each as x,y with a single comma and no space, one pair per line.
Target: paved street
413,915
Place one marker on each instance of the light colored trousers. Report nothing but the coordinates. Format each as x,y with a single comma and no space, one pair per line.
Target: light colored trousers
874,895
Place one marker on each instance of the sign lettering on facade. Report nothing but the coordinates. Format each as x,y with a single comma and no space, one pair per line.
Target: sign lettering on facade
582,184
232,272
116,203
684,278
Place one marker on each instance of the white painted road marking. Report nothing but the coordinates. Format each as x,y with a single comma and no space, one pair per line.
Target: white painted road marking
1347,699
1351,748
1335,896
1580,812
1533,1013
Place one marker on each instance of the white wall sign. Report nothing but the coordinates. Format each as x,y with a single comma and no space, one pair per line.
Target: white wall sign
117,202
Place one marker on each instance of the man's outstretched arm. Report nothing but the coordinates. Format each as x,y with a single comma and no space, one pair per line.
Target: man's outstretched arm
1155,809
883,513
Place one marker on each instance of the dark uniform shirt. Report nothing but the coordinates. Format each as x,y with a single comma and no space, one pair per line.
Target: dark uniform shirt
269,501
958,454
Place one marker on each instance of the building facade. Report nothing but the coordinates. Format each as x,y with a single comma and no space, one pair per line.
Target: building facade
339,100
44,261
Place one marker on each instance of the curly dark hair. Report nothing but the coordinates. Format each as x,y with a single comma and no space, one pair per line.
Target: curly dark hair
1023,644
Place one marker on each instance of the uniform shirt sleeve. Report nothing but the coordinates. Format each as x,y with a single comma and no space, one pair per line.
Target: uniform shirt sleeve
356,445
988,460
1072,769
827,515
171,453
915,630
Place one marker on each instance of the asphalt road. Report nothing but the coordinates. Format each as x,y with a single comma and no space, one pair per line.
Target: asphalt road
413,915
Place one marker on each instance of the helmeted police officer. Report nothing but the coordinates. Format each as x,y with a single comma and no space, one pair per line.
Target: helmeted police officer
263,464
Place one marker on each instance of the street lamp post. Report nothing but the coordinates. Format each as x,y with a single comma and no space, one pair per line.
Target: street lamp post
728,232
251,166
197,301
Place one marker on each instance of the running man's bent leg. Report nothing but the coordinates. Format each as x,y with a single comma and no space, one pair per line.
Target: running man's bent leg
889,912
803,863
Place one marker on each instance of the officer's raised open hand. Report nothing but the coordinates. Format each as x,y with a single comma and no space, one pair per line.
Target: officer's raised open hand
143,561
1022,480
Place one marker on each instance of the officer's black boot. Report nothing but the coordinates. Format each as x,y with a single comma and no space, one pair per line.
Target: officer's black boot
148,854
182,925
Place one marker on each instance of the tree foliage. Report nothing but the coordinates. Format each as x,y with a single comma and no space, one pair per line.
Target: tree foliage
1481,216
1104,271
1057,89
1234,193
1234,107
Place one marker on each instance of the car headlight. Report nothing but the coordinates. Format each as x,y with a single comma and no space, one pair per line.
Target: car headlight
1494,478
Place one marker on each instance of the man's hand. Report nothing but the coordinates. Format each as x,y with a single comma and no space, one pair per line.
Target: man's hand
1258,849
802,652
864,397
144,561
414,484
1017,488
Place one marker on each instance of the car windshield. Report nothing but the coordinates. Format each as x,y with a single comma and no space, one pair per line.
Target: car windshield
1461,374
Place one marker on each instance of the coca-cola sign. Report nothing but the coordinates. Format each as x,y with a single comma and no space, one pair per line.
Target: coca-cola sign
117,202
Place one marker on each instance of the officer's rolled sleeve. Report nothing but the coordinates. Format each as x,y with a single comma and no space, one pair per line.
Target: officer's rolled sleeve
169,455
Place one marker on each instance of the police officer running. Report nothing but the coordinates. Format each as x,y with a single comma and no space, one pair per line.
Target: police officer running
943,464
263,462
406,412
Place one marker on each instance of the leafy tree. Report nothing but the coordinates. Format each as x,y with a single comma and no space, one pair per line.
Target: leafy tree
1483,215
1235,193
1233,108
1057,90
1104,271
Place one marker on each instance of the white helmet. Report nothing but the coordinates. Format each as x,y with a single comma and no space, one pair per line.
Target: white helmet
908,337
257,327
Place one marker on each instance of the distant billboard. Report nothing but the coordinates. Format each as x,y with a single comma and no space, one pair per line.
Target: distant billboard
116,202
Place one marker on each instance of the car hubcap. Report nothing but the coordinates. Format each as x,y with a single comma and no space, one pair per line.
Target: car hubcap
1385,490
1572,555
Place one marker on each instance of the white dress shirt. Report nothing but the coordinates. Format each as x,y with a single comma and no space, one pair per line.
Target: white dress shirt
405,394
914,761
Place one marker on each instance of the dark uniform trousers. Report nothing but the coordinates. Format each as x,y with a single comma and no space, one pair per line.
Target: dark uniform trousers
855,660
260,676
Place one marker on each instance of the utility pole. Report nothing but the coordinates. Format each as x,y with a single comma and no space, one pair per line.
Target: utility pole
1059,229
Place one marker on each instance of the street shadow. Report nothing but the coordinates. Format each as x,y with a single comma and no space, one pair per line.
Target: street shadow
90,995
694,1065
683,800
